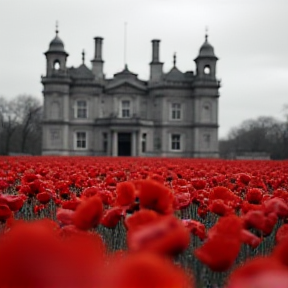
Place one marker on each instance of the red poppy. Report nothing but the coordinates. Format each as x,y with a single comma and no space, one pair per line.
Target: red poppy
198,183
259,272
230,226
249,238
254,219
14,202
125,193
166,235
181,200
112,217
196,228
65,216
44,197
90,191
143,270
71,204
88,214
5,212
276,205
155,196
140,218
254,195
25,189
246,207
244,178
282,233
280,252
223,193
219,253
218,207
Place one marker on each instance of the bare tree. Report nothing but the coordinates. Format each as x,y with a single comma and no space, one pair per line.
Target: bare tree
264,134
22,115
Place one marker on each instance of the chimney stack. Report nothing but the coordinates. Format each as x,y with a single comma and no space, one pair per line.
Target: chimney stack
156,67
155,51
97,62
98,48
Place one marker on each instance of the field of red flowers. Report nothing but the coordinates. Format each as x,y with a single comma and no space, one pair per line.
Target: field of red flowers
143,222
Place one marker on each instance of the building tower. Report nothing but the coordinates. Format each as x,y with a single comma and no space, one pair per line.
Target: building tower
56,98
206,95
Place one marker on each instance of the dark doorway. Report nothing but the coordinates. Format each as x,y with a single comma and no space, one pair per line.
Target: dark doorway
124,144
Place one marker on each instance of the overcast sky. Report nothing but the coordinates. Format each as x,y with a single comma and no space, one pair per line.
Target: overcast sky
249,37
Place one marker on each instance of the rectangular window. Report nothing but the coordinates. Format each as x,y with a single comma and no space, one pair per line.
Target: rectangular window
81,141
81,111
143,142
176,142
105,142
176,111
207,140
55,136
125,107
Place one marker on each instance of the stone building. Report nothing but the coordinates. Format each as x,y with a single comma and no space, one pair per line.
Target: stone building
172,114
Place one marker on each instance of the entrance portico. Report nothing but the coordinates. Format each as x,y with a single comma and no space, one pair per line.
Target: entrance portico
124,143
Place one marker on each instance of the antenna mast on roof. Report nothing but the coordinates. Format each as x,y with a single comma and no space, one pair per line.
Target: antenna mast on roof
125,44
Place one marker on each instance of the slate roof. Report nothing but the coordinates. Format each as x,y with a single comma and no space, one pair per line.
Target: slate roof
82,72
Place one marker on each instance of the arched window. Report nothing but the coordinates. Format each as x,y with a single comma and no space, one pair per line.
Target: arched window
206,112
56,65
55,110
207,70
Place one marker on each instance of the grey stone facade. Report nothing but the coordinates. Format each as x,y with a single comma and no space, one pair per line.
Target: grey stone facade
172,114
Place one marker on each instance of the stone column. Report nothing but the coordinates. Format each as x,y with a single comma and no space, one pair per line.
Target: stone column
109,144
114,143
134,144
66,107
65,139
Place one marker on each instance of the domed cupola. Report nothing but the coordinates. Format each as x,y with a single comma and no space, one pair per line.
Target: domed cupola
206,62
56,45
206,50
56,57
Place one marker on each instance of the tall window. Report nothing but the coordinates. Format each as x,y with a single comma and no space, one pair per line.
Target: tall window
175,111
175,142
81,109
206,110
55,110
207,140
125,109
55,136
143,142
81,140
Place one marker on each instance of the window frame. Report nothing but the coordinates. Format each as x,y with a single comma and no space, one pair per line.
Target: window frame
172,142
206,106
176,112
76,140
126,109
77,109
207,140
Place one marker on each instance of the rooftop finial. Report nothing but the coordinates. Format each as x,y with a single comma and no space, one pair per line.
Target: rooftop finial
174,59
83,56
206,33
57,31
